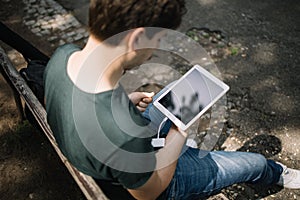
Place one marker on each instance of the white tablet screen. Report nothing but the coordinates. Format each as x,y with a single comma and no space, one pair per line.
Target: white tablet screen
193,93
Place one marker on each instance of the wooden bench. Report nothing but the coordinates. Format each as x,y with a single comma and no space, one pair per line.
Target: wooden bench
21,90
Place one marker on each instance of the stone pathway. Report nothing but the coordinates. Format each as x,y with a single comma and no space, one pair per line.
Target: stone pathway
48,19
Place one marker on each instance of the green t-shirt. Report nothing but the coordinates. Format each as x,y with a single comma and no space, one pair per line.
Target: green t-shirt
103,135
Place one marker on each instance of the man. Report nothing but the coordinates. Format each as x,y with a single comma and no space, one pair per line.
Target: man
104,132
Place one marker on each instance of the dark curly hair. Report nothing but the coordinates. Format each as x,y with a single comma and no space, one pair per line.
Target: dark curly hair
110,17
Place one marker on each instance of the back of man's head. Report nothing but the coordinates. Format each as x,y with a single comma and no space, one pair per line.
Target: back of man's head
110,17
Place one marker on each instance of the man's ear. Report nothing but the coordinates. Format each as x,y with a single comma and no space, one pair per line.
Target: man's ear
135,38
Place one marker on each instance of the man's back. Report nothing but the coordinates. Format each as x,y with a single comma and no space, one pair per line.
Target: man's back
84,125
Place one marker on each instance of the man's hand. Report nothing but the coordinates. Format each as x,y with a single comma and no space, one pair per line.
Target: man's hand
141,99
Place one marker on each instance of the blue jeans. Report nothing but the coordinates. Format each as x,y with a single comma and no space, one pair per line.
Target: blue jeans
202,173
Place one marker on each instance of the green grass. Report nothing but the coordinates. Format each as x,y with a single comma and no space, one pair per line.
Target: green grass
234,51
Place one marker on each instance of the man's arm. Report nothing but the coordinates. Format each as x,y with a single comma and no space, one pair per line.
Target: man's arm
166,159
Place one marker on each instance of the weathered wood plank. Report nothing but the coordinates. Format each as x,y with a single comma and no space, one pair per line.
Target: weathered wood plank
86,183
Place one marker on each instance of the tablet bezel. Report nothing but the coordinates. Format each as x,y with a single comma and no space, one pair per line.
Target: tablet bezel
172,117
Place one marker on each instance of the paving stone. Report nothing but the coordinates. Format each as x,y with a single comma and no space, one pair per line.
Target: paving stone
52,38
45,32
81,30
44,22
70,40
36,30
62,28
78,37
61,42
86,34
75,23
31,11
70,34
29,23
47,18
42,10
47,26
50,10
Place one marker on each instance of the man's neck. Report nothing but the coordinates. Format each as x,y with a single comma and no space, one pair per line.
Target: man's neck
96,68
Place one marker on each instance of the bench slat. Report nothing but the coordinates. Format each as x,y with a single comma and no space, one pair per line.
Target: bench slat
86,183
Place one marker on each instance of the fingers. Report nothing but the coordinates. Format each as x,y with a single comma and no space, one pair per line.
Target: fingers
146,100
141,99
143,104
138,96
142,109
141,95
174,129
148,97
148,94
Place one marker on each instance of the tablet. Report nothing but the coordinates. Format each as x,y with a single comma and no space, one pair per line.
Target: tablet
190,96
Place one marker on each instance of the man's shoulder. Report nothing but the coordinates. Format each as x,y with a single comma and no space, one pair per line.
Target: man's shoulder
60,57
65,50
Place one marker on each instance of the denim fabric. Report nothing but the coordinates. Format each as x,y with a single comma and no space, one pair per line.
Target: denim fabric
202,173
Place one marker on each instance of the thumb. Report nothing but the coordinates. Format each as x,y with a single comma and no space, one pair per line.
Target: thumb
148,94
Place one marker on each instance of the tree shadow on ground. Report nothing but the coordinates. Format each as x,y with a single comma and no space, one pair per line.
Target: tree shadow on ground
267,145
